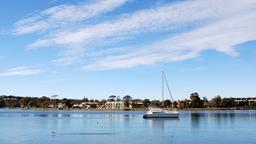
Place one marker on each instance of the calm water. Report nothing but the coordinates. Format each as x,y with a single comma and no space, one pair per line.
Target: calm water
89,127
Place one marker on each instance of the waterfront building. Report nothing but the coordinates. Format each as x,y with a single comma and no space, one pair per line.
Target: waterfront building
51,106
88,105
250,100
136,103
61,105
114,104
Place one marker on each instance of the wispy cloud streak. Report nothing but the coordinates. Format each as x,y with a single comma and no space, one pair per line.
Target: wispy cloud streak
151,20
58,16
221,35
21,71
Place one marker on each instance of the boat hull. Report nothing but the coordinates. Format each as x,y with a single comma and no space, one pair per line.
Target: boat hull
161,116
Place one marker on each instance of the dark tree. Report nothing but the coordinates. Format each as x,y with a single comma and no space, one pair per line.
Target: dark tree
127,100
11,103
216,101
195,100
2,104
112,98
85,99
227,102
175,104
66,102
146,103
155,103
167,103
32,103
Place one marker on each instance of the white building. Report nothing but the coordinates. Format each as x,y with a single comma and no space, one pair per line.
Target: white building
114,104
89,104
250,100
61,105
86,105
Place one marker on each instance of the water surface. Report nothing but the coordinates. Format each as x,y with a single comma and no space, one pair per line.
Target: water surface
126,127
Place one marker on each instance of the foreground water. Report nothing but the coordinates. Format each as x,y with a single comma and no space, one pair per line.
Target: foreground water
89,127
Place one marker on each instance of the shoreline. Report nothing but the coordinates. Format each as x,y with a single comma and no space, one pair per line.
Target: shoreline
132,109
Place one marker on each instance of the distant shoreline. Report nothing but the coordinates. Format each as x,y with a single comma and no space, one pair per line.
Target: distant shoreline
133,109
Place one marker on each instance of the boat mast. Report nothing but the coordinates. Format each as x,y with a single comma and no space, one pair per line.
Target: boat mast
163,89
168,88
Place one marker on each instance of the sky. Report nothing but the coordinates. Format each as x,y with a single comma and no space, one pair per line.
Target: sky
97,48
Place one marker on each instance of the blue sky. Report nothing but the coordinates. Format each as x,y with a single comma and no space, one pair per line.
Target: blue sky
117,47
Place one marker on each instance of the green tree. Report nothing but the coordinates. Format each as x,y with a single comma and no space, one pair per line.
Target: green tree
55,102
102,103
175,104
253,104
43,102
11,103
227,102
32,103
112,98
24,101
85,99
146,103
167,103
204,102
155,103
127,100
2,104
216,101
66,102
195,100
187,103
205,99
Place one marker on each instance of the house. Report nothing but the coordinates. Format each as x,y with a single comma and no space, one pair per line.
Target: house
136,103
51,106
114,104
61,105
88,105
250,100
76,106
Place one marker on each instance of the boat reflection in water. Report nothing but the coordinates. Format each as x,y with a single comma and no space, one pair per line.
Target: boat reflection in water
161,123
162,130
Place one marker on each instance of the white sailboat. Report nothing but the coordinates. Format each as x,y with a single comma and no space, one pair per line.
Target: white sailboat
160,112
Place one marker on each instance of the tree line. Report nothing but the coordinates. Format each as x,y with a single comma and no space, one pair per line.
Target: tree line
217,102
195,101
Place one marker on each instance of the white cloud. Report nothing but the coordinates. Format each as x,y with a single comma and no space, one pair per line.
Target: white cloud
215,24
132,60
142,21
221,35
21,71
170,16
60,15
